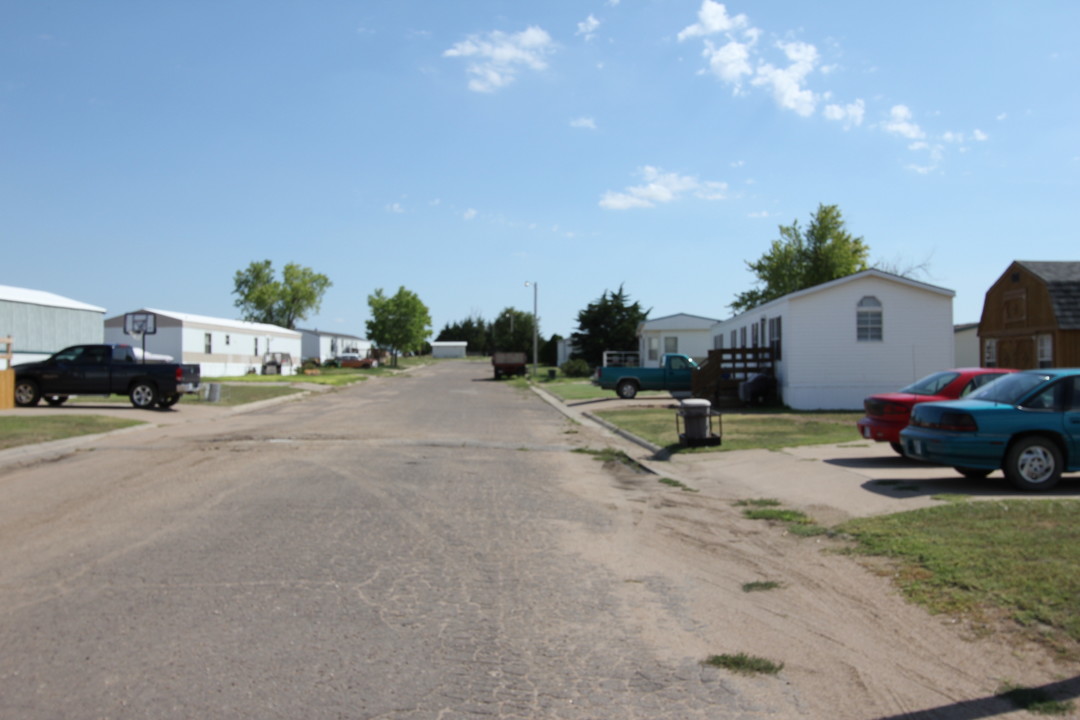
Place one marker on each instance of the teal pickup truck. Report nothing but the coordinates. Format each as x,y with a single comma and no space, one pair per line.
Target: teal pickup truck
674,374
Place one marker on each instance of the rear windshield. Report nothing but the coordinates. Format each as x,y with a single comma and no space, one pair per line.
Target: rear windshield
1010,389
931,384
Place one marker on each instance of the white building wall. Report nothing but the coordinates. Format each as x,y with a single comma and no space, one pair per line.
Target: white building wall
827,367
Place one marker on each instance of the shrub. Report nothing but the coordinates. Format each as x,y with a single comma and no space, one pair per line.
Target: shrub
576,367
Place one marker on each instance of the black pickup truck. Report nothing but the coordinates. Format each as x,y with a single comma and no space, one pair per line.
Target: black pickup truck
103,370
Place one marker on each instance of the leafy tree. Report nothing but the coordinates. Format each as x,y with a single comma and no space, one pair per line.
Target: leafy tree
798,260
549,351
261,298
399,324
472,330
512,331
610,323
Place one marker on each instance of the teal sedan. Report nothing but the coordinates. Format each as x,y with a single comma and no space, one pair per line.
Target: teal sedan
1027,424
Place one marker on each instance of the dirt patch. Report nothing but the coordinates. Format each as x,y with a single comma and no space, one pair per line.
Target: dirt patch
850,644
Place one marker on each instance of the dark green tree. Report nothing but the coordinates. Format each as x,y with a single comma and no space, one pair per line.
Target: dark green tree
549,350
610,323
512,331
264,299
398,324
472,330
798,260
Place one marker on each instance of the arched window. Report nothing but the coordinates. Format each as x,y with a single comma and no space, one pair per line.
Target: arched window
868,325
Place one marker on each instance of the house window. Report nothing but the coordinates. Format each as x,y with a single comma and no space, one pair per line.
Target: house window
990,353
207,344
762,332
774,337
742,336
718,342
1046,351
671,344
654,348
734,344
256,346
1014,306
868,326
754,338
227,339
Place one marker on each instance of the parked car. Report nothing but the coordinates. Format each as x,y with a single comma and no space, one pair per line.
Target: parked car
887,414
1026,423
353,360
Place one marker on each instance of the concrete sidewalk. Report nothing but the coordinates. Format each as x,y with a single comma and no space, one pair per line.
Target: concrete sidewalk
829,482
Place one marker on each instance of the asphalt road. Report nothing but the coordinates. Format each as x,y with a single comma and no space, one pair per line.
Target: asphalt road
405,548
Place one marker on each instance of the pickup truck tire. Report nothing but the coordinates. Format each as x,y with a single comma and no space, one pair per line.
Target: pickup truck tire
56,400
27,393
168,401
143,394
626,389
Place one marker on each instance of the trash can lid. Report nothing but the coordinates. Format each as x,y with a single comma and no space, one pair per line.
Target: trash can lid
696,403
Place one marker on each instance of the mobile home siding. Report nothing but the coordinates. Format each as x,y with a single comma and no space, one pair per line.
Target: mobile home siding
827,367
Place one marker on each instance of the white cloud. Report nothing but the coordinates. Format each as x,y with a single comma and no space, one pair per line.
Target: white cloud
587,27
712,19
583,122
395,208
469,214
661,187
900,123
979,135
851,115
729,62
499,56
787,83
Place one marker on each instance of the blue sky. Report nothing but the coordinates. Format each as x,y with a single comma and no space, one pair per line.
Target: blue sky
149,150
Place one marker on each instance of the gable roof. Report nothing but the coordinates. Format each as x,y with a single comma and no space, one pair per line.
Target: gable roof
40,297
222,322
871,272
1062,281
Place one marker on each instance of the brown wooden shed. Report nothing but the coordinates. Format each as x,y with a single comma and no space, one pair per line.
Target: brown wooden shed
1031,317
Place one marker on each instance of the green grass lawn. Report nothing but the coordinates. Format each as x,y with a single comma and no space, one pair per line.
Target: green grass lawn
991,561
16,430
742,430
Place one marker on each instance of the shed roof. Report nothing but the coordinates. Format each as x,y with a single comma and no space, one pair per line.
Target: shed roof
40,297
1063,285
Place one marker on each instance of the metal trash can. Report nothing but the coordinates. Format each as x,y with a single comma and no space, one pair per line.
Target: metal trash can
213,392
551,374
696,416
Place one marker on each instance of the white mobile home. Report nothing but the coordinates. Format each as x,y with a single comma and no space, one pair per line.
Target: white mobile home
838,342
321,345
680,333
41,323
448,348
221,347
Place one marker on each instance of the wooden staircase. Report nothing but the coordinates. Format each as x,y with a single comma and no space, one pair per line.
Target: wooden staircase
718,378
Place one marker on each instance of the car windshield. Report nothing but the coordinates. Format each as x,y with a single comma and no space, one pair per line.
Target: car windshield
931,384
1009,389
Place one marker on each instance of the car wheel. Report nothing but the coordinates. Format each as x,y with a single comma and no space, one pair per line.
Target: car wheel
1033,463
168,401
143,395
56,400
973,473
27,393
626,389
897,448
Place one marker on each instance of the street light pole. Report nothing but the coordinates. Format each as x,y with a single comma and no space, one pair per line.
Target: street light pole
536,323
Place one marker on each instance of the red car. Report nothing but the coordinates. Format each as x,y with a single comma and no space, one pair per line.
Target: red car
887,414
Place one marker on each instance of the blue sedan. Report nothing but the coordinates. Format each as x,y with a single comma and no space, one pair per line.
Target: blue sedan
1027,424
